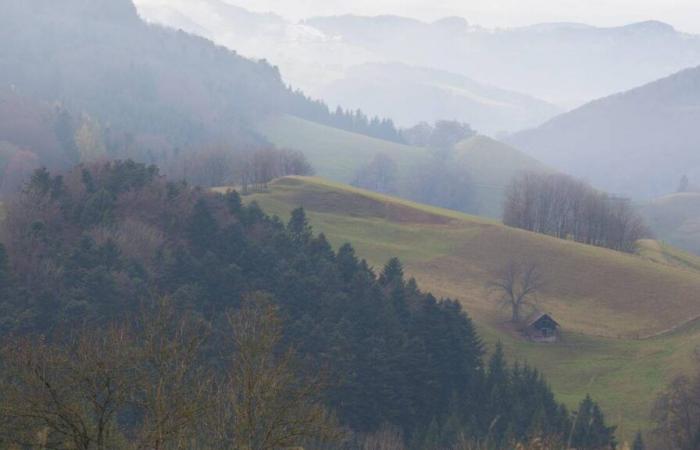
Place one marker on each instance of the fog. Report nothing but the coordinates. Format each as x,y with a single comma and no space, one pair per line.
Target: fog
681,14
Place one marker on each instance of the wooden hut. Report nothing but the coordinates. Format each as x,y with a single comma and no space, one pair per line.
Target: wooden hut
541,327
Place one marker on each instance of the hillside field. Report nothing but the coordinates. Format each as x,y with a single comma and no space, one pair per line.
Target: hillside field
337,155
675,219
629,321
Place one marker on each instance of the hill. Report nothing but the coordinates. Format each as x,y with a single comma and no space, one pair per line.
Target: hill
338,155
638,143
628,320
334,153
676,219
491,165
103,61
137,90
381,89
116,243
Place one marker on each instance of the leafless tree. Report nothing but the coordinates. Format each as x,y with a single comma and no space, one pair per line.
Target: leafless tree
69,393
517,286
561,206
676,415
172,385
379,175
263,403
387,438
66,396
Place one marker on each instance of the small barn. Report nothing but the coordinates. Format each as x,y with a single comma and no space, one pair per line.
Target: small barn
541,327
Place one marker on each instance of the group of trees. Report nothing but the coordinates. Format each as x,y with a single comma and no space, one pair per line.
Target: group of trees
354,121
247,170
561,206
435,180
96,243
444,135
147,383
676,415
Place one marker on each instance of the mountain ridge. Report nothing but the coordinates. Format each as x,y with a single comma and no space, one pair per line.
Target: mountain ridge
652,125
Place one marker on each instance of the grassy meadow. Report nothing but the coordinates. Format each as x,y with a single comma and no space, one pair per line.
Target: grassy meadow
676,219
338,154
629,321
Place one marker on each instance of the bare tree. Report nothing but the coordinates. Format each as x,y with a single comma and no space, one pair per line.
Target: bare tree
172,383
264,404
378,175
561,206
386,438
69,393
676,414
517,286
65,396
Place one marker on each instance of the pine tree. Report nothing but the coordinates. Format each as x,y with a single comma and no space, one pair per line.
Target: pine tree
638,443
590,431
202,228
497,402
298,226
392,274
234,202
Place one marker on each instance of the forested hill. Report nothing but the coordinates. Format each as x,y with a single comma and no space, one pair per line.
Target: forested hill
134,90
98,242
99,58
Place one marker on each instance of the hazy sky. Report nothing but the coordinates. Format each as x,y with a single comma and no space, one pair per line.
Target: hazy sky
683,14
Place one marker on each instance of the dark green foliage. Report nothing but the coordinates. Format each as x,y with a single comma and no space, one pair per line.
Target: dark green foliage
299,228
202,229
392,275
393,354
638,443
353,121
590,430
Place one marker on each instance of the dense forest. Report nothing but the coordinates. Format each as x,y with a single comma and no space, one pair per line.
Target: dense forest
99,243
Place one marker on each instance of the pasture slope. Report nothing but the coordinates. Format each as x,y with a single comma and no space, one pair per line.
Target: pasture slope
675,219
338,154
628,320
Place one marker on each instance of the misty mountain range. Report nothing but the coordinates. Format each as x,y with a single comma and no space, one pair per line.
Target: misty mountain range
563,64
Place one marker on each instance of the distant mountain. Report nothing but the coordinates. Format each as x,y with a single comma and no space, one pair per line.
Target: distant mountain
307,57
410,95
639,143
118,87
99,58
564,63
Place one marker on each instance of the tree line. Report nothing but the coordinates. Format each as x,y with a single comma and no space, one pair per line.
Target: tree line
354,121
561,206
248,170
94,244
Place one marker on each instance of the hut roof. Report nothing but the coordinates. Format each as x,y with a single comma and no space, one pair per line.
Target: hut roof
539,316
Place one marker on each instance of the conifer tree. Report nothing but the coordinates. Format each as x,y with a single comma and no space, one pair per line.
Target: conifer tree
590,431
392,274
202,227
298,226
